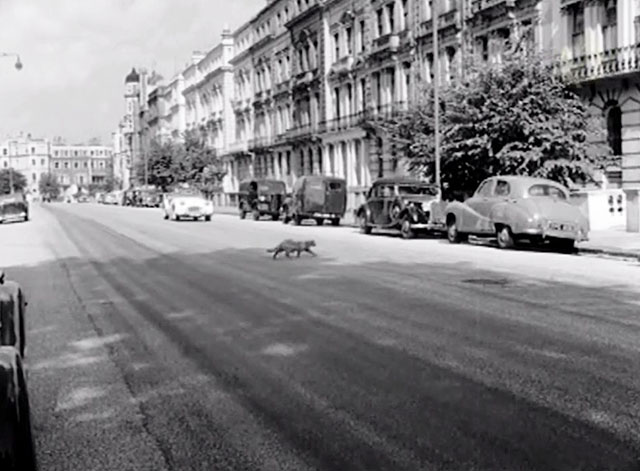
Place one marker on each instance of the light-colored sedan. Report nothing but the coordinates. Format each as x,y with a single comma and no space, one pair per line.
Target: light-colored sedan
187,204
514,208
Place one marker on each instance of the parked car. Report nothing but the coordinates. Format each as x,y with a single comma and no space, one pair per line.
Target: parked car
149,198
316,197
403,204
17,450
13,206
84,199
187,203
515,208
261,198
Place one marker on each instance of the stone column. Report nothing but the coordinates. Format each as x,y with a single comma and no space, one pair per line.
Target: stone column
385,21
633,210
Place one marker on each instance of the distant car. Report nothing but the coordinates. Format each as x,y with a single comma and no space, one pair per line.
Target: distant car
13,207
316,197
187,203
83,199
514,208
261,198
403,204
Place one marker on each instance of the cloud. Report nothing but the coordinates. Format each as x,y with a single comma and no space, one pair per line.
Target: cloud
76,54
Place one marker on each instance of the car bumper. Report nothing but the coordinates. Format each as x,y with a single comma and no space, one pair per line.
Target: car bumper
577,236
195,214
327,215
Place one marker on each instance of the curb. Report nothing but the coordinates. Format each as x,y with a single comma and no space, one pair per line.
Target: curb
613,252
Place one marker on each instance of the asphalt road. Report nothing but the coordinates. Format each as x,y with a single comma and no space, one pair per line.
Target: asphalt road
159,345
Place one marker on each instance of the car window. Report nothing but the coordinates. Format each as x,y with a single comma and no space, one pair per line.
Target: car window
502,188
417,190
485,188
334,186
547,190
387,191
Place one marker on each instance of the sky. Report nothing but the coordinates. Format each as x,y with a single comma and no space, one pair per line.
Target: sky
76,54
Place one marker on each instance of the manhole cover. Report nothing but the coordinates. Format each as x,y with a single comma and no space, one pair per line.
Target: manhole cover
487,281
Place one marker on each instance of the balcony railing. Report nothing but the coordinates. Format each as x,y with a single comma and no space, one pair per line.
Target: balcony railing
615,62
303,130
388,42
448,19
342,65
260,142
344,122
238,146
481,5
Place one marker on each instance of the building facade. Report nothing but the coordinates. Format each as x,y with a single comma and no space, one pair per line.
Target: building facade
292,91
28,156
82,165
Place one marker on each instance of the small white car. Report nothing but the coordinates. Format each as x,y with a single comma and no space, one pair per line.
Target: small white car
187,203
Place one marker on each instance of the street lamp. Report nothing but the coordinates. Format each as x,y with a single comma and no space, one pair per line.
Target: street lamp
18,66
436,87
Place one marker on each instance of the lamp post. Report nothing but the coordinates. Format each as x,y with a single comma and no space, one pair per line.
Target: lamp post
436,89
18,66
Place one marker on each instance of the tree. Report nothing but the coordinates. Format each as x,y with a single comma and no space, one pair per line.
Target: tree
516,117
19,181
164,164
49,186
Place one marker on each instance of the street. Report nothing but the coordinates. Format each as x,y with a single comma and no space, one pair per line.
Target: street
161,345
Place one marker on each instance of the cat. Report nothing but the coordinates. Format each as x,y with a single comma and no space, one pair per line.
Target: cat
289,246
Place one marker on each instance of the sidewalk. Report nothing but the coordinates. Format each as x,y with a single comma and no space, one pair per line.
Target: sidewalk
615,242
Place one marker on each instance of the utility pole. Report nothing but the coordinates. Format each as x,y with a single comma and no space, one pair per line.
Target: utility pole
436,89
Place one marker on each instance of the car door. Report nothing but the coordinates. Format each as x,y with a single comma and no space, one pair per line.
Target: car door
374,203
477,218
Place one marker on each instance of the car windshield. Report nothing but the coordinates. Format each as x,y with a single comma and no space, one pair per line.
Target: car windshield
271,187
187,192
409,190
547,190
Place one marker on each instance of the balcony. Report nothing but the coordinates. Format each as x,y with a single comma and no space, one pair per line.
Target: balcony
566,3
238,147
343,122
484,5
609,64
303,78
388,43
260,142
342,66
448,19
303,131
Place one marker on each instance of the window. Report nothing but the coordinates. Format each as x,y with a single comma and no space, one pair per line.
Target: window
427,10
379,22
547,190
4,151
66,165
485,189
336,47
56,165
360,42
86,164
349,39
33,162
577,30
75,165
502,188
405,13
6,164
614,129
391,16
33,150
42,162
609,25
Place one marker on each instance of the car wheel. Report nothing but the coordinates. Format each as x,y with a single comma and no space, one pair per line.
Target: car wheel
243,214
406,230
365,228
207,218
275,217
256,214
504,237
453,236
335,222
297,219
320,221
166,216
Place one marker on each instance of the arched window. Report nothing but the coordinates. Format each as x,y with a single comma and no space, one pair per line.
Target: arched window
614,129
379,145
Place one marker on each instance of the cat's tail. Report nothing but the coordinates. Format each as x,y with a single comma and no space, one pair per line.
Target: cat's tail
271,250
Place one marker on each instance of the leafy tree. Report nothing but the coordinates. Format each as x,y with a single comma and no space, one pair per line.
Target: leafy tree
164,164
19,181
109,184
516,117
49,186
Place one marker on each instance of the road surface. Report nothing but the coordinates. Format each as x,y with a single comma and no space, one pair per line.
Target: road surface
160,345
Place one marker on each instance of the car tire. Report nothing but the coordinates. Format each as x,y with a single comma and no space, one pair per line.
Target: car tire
166,216
365,228
243,214
207,218
256,214
405,228
335,222
504,236
453,235
275,217
297,219
320,221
